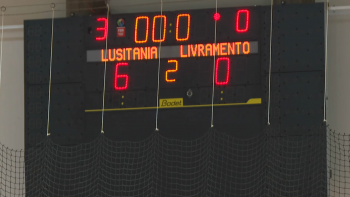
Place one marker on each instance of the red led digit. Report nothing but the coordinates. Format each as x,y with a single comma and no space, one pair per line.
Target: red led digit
246,22
104,29
120,76
171,71
217,82
188,26
162,38
136,27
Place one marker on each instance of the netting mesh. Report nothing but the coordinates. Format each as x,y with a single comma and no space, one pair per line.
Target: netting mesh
338,151
214,165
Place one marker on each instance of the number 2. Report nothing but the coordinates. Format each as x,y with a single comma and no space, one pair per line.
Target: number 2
171,71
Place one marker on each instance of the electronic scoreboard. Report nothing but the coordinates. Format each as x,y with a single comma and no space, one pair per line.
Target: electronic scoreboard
203,56
183,62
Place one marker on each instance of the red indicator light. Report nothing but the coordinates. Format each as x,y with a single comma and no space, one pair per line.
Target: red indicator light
217,16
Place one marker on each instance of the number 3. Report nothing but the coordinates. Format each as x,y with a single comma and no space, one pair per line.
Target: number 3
104,29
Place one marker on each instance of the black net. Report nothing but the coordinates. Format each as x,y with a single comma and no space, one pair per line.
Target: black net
215,164
338,161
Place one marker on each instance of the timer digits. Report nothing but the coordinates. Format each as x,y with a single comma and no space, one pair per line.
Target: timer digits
241,26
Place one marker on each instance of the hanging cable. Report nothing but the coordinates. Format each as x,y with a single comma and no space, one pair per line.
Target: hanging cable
270,63
104,78
212,95
3,9
326,66
49,101
160,46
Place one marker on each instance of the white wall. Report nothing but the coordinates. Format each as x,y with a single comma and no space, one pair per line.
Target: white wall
12,79
12,95
339,70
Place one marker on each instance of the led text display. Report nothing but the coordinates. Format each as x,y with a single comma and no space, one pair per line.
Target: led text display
179,51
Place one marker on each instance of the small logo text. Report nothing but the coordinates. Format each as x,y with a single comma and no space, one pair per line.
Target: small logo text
171,102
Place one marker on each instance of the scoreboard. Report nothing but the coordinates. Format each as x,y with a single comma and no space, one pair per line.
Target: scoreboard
185,50
184,54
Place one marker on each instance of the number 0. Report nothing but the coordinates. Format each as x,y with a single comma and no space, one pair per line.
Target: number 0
163,18
217,82
136,27
246,22
188,26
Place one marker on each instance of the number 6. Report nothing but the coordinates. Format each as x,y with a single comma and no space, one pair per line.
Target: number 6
120,76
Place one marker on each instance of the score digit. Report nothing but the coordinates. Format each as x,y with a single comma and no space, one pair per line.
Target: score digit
162,35
163,19
104,29
217,82
188,27
171,71
120,76
137,26
246,21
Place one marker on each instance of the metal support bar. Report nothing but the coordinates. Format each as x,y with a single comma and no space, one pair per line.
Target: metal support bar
9,27
334,8
287,2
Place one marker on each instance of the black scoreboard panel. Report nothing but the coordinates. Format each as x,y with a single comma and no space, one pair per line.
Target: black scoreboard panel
186,73
185,79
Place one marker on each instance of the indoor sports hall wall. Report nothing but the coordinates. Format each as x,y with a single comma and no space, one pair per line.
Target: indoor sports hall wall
11,96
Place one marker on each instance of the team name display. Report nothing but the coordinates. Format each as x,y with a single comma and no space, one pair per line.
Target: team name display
183,51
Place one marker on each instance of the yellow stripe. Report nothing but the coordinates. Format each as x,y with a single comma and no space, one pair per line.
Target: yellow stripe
253,101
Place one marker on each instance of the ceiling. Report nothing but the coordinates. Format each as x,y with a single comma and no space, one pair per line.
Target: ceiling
19,10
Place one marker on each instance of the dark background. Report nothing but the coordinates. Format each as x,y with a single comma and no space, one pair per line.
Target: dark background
297,84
